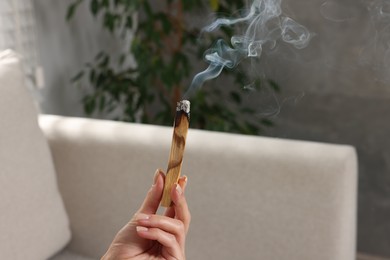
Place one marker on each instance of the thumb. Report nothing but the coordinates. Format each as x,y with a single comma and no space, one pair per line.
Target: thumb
153,197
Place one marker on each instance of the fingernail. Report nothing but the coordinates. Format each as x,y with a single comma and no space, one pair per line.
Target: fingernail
141,216
141,229
183,182
156,174
178,189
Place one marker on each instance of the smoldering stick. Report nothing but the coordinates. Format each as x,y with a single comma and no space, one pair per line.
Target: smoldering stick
180,129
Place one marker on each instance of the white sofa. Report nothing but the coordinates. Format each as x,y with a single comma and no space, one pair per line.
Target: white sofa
69,184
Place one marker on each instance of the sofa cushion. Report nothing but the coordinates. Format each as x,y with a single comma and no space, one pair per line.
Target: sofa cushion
33,221
69,255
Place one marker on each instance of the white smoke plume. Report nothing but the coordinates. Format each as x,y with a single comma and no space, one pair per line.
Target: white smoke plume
264,25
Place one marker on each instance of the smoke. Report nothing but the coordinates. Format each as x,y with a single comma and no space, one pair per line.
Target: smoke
263,26
377,53
363,26
337,11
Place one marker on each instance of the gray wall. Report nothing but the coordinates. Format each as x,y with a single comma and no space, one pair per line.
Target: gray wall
336,90
64,48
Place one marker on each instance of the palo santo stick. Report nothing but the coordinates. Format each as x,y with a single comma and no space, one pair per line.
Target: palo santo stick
180,129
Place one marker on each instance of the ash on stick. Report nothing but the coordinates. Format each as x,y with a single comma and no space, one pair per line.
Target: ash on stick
180,129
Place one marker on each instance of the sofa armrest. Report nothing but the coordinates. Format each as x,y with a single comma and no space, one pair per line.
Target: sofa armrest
104,169
250,197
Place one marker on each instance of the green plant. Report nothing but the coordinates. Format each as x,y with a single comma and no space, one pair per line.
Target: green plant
164,47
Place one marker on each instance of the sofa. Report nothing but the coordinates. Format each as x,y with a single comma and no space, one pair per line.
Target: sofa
69,184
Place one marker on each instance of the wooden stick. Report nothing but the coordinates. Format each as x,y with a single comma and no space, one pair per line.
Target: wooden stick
180,129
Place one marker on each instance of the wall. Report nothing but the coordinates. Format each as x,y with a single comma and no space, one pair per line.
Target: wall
336,90
64,48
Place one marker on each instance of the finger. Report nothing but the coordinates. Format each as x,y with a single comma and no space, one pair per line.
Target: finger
183,182
170,211
180,205
164,238
167,224
152,200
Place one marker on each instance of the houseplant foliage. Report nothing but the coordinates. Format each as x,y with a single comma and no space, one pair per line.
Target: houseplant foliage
164,47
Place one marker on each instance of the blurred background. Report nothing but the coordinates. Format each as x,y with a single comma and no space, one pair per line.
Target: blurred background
125,60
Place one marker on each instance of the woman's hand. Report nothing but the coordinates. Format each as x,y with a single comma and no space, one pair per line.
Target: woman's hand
151,236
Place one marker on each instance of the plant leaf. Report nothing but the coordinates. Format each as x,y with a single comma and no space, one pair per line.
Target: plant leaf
94,7
275,86
77,77
72,9
214,4
236,97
